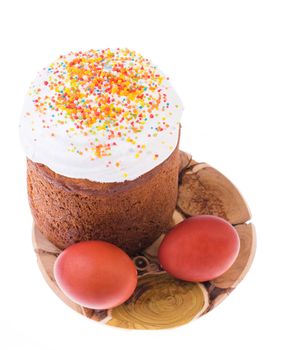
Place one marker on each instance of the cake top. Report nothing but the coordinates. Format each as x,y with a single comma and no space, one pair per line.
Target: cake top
103,115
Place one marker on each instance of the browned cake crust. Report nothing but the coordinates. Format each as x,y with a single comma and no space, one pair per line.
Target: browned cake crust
131,214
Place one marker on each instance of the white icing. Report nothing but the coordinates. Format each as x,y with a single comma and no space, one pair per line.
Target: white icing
47,141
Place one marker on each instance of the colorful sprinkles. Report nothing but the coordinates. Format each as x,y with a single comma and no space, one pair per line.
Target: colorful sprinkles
106,95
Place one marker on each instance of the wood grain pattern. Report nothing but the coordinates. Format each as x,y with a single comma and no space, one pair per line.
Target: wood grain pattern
204,190
161,301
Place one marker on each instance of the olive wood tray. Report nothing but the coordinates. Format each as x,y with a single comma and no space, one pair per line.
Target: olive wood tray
159,300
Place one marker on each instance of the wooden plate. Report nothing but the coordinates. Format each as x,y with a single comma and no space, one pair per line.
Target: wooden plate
159,300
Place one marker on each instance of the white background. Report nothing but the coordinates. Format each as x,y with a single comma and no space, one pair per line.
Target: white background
228,62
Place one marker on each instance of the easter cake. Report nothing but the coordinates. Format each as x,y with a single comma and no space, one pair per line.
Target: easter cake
101,131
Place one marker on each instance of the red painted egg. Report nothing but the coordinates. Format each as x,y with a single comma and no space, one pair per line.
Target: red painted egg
199,248
95,274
